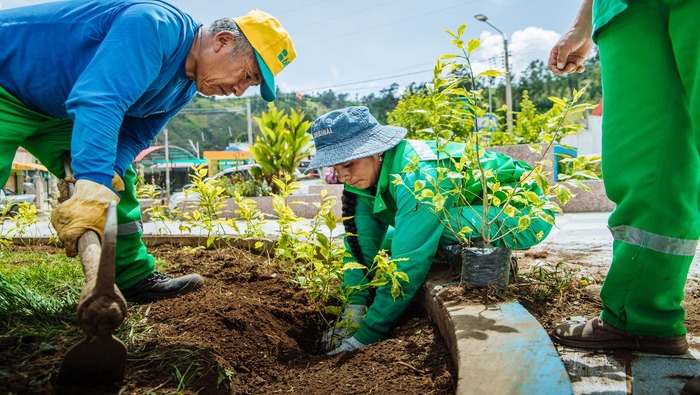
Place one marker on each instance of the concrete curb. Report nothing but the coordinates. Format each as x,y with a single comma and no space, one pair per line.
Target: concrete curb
502,342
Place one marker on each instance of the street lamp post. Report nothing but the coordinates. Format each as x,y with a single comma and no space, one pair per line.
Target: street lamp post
509,95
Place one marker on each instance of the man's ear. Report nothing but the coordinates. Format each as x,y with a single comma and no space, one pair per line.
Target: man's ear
223,39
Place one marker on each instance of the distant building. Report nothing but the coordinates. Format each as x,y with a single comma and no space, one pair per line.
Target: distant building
589,141
154,162
25,166
222,160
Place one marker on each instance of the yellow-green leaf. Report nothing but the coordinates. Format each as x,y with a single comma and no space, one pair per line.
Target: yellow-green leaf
490,73
563,193
472,45
353,265
418,185
523,223
460,29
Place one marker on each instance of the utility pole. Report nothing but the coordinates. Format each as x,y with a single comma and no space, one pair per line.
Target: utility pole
509,95
167,167
250,122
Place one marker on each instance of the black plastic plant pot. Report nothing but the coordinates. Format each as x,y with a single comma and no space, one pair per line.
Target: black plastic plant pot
484,266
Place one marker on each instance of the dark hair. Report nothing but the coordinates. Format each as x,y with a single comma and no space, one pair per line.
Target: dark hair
349,202
242,47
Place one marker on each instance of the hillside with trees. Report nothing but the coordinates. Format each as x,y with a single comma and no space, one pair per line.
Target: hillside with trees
213,123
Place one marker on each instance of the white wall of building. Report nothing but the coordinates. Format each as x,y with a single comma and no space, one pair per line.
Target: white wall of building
588,141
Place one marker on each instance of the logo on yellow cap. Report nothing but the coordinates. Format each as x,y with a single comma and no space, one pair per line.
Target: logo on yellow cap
284,58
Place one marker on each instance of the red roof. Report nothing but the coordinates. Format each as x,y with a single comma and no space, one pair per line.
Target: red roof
157,153
147,151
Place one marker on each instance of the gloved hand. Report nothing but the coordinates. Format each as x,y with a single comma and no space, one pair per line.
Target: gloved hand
67,184
117,183
350,321
85,210
349,344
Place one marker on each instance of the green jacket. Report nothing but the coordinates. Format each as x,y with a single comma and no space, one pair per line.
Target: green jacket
417,232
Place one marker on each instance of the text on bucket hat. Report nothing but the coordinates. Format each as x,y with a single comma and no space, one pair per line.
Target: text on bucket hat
272,44
348,134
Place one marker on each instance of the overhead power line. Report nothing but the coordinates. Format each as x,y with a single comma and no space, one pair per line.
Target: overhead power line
363,82
489,59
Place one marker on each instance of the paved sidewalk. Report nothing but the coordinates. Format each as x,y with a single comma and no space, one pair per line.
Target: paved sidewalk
586,236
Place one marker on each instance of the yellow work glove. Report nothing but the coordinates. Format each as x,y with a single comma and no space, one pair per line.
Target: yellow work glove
117,183
65,186
85,210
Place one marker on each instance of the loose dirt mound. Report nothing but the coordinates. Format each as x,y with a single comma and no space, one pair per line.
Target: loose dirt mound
250,325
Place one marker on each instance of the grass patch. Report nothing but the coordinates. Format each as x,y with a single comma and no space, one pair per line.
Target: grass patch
38,293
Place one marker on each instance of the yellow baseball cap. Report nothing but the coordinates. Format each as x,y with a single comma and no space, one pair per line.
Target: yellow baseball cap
273,47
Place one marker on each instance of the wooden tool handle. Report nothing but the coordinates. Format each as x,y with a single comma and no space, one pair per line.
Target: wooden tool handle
89,252
102,307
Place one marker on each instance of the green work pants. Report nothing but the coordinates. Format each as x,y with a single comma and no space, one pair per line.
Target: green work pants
48,139
650,59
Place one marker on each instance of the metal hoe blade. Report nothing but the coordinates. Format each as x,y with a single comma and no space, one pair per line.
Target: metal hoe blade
94,360
99,357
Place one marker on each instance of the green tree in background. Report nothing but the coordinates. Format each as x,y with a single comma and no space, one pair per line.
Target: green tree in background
282,144
420,127
528,125
381,106
213,131
541,84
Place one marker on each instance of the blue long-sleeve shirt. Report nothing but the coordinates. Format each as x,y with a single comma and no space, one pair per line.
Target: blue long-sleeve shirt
115,67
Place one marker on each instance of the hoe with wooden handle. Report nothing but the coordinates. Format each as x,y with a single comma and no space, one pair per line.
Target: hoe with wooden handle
99,357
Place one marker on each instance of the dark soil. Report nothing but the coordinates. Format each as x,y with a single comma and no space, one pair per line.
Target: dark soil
250,324
249,331
581,299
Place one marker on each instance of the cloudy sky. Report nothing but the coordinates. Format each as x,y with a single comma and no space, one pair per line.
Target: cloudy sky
362,46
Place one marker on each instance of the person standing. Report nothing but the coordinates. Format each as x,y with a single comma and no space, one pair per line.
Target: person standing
651,166
98,80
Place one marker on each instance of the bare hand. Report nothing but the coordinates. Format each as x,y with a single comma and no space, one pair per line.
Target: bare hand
568,54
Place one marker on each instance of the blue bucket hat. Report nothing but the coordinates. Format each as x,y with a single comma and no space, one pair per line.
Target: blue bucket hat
348,134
